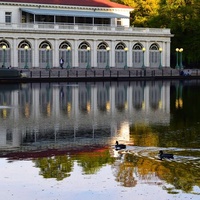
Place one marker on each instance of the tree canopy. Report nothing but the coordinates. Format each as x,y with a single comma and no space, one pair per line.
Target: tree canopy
181,16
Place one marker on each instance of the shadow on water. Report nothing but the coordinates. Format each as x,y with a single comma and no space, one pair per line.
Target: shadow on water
9,87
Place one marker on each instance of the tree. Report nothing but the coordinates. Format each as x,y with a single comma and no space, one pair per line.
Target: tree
181,16
143,10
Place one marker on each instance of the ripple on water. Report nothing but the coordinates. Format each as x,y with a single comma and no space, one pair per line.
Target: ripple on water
180,173
181,155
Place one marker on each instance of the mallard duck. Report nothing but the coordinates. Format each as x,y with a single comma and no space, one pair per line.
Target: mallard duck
165,155
119,146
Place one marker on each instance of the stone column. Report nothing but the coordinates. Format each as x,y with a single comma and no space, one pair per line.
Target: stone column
146,55
35,54
55,54
112,54
14,54
75,54
167,54
94,54
130,52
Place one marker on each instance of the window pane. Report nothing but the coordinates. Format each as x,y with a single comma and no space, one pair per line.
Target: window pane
8,17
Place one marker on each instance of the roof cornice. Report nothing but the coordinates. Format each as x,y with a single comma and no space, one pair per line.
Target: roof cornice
64,6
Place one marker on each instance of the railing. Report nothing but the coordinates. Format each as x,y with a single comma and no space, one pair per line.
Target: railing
99,73
79,27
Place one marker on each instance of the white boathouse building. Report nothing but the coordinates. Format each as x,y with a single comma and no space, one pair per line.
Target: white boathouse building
92,33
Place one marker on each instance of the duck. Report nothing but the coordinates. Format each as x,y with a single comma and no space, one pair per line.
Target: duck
119,146
165,155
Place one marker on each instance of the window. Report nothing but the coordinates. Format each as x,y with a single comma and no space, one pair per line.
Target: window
119,22
8,17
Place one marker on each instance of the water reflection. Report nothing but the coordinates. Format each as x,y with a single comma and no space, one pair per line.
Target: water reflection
35,112
141,165
59,126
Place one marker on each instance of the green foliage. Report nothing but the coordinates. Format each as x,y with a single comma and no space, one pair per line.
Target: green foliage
60,167
183,19
181,175
93,163
181,16
143,10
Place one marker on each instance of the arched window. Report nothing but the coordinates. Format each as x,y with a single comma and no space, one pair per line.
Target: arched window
44,45
103,55
84,45
154,47
65,52
154,57
64,45
120,46
84,55
24,54
137,55
137,46
5,56
4,43
102,45
24,44
120,55
45,55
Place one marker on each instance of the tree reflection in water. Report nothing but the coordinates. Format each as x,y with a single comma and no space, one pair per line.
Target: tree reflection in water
131,168
182,173
151,115
60,167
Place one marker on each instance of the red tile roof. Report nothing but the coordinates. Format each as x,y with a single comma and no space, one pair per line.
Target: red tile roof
90,3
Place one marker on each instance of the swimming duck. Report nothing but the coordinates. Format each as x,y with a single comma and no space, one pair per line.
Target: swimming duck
165,155
119,146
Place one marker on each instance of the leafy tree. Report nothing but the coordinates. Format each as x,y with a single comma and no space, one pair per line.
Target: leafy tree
181,16
143,10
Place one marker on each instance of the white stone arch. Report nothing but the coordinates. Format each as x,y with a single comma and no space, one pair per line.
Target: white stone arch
4,43
154,55
103,52
65,52
137,55
102,45
120,54
24,54
45,55
5,54
84,55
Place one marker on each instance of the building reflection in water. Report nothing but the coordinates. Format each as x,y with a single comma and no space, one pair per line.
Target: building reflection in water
84,112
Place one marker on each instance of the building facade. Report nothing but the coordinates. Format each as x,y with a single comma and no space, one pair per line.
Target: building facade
85,34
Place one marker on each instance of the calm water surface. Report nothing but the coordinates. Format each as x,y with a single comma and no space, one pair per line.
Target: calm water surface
57,140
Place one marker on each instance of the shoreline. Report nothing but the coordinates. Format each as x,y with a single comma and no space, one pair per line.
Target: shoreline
98,75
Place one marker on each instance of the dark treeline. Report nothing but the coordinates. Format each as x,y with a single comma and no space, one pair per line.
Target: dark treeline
181,16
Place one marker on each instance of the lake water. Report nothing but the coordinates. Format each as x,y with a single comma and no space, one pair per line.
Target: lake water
57,140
